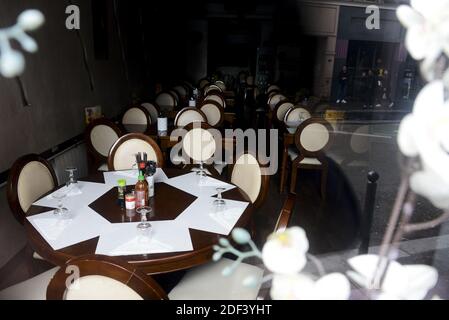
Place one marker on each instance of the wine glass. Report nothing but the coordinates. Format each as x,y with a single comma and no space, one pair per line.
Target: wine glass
201,171
220,202
144,227
72,177
60,210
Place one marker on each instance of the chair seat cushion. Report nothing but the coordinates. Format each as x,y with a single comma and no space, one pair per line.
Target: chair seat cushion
208,283
32,289
294,154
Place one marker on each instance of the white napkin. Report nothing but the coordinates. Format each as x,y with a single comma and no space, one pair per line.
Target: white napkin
141,245
52,228
227,218
131,176
197,185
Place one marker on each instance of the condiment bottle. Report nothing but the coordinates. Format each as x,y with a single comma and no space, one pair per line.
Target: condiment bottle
141,192
121,192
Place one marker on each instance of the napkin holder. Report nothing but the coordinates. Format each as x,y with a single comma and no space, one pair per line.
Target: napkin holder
162,125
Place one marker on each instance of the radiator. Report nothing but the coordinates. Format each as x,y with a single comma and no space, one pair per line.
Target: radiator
76,157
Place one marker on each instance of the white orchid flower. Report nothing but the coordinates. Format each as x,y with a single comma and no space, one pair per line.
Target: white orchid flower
427,24
425,133
411,282
285,252
334,286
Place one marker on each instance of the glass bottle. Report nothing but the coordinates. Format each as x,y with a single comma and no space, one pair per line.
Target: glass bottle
121,188
141,192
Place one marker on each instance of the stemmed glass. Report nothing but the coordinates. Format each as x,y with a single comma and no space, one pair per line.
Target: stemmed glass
220,202
201,171
144,227
61,210
72,178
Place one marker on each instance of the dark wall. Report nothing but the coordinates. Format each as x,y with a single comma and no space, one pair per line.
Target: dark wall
56,81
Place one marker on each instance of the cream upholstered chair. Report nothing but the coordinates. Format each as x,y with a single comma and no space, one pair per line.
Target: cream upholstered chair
312,137
294,117
281,110
153,109
122,154
214,113
182,91
221,85
166,101
273,88
212,88
137,115
189,115
203,83
250,176
275,99
100,136
30,178
100,278
217,98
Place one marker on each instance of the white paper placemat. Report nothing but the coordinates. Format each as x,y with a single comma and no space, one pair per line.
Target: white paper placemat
203,215
198,186
74,201
131,176
59,233
124,239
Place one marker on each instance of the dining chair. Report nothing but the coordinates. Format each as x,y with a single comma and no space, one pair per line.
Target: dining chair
166,101
199,145
30,178
99,278
311,138
353,146
221,85
137,115
275,99
182,91
294,117
273,88
189,115
249,175
211,88
214,113
153,109
122,154
217,97
203,83
281,110
103,278
175,94
100,135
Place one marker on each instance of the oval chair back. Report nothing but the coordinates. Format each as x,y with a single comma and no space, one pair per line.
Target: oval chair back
273,88
281,110
211,88
166,101
214,113
221,85
102,278
312,137
189,115
203,83
294,117
198,143
100,136
137,116
275,99
153,110
217,98
250,176
123,152
182,91
30,178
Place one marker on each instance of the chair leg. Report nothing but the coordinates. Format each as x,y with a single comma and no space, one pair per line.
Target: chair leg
293,178
283,172
324,173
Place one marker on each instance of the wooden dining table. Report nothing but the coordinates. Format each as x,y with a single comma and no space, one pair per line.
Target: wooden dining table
168,203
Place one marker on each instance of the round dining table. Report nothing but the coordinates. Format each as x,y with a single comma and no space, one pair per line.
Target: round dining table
168,203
